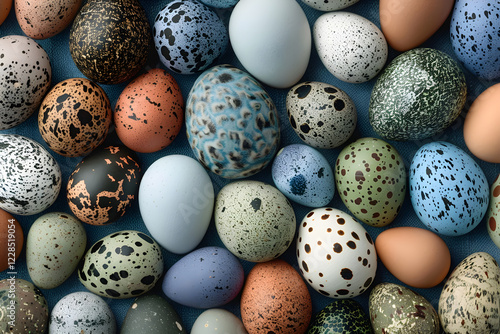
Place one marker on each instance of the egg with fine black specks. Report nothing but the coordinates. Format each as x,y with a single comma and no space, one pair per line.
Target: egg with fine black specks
329,5
341,316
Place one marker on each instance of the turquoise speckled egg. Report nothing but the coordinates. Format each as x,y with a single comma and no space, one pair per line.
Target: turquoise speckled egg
494,212
231,122
419,94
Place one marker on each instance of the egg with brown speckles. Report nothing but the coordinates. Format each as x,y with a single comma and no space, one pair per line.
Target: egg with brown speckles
275,299
149,112
109,40
75,117
494,212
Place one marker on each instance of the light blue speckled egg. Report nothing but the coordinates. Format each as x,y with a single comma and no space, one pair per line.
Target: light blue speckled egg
448,189
474,32
220,3
189,36
304,175
231,122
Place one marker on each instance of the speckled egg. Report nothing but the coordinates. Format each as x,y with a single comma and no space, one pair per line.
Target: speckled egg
304,175
75,117
82,312
189,37
218,321
336,33
336,255
29,175
11,240
55,245
245,211
152,314
220,3
24,80
419,94
149,112
371,180
275,299
232,123
448,190
329,5
41,19
470,299
474,32
214,277
396,309
339,317
104,185
110,40
124,264
322,115
23,308
494,212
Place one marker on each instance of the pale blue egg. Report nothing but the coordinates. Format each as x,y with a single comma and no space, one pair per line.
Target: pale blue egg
220,3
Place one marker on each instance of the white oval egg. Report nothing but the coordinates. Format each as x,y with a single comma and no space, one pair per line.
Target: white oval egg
218,321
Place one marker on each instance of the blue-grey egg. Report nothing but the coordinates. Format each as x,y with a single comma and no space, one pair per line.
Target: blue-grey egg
205,278
220,3
189,36
448,189
304,175
341,316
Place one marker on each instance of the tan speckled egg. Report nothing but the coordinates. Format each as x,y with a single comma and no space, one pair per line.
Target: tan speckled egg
41,19
275,299
75,117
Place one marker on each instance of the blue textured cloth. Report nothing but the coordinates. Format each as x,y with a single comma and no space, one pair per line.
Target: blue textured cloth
63,67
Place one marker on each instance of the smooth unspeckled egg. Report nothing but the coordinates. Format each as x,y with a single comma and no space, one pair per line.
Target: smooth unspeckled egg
220,3
350,46
5,10
272,40
254,220
11,237
189,37
448,190
218,321
29,175
329,5
275,299
24,80
149,112
493,222
322,115
339,317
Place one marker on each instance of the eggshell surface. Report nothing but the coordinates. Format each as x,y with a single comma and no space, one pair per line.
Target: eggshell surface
220,3
493,212
5,10
215,321
341,316
329,5
11,240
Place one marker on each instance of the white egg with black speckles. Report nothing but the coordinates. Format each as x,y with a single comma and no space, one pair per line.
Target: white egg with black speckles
29,175
329,5
350,46
322,115
254,220
82,312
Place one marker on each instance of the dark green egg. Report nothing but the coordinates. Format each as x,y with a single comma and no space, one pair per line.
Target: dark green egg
110,40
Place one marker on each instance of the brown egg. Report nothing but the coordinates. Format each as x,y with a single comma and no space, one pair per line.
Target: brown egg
408,23
482,124
415,256
74,117
5,7
11,240
275,299
149,112
40,19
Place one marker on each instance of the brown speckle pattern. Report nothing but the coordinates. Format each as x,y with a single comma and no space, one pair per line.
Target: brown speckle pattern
493,212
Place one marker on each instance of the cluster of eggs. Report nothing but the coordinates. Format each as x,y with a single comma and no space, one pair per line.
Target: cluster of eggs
235,130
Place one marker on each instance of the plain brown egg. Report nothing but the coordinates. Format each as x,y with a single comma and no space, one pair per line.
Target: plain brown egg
5,7
11,240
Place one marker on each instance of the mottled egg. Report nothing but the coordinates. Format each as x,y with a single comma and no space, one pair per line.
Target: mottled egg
5,10
322,115
188,36
109,40
494,212
124,264
470,299
149,112
75,117
371,180
254,220
104,185
29,175
329,5
396,309
419,94
336,33
205,278
474,36
448,190
218,321
24,80
11,240
82,312
275,299
41,19
54,247
304,175
152,314
220,3
23,308
336,255
341,316
232,123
